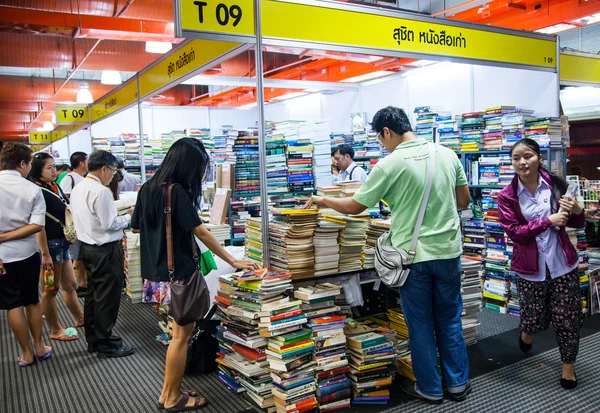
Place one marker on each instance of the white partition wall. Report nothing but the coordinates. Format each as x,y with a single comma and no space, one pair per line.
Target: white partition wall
80,142
62,147
383,93
123,122
238,118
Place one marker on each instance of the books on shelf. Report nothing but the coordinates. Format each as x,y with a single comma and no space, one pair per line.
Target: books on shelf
472,127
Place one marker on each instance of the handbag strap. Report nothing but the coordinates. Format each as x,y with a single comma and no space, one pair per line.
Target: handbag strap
169,232
55,194
49,215
430,172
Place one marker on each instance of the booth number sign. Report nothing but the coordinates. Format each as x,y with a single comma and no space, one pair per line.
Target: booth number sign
220,16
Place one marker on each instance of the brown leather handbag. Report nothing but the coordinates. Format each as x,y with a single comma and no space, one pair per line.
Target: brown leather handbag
190,298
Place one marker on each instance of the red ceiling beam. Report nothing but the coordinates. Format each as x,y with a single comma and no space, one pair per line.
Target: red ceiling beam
536,15
98,27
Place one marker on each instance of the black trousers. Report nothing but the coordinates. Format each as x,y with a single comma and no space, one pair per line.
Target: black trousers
105,269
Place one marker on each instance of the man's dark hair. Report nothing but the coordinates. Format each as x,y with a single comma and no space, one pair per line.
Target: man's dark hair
98,159
13,153
62,168
121,164
344,150
393,118
77,158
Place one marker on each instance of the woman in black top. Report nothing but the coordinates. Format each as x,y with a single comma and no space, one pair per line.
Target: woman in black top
55,250
185,166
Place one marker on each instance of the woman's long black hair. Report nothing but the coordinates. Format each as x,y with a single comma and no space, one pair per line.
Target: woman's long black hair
558,182
185,164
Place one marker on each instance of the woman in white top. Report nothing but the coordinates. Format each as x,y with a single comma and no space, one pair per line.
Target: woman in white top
21,217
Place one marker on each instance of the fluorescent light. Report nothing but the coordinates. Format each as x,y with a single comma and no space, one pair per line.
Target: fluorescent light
557,28
290,96
110,77
312,90
591,19
84,95
158,47
368,76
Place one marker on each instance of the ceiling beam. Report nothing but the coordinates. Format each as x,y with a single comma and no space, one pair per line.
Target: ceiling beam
97,27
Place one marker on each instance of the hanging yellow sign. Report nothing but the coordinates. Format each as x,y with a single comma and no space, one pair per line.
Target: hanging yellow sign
181,62
72,114
121,98
231,17
579,68
40,137
62,131
36,148
359,28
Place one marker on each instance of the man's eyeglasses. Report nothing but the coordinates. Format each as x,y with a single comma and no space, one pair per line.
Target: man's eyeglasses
114,170
379,135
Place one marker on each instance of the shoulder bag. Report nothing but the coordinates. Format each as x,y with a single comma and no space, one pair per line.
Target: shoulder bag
190,298
393,264
69,225
203,346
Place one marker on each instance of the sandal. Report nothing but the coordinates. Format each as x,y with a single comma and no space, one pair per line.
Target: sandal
181,405
22,364
190,393
48,354
70,334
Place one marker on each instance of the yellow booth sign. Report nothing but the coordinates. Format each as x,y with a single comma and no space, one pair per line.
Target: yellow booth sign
576,68
115,101
72,114
40,137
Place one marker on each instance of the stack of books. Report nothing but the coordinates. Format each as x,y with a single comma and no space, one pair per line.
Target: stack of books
299,153
253,240
398,324
100,143
242,150
327,250
219,153
492,134
372,362
352,240
348,188
547,132
134,284
425,122
321,153
241,211
497,280
376,228
332,191
489,170
513,126
472,269
472,126
448,131
318,304
220,232
291,240
204,136
506,170
276,164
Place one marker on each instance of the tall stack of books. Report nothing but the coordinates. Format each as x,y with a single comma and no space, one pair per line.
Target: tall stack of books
219,153
219,231
204,136
376,228
241,211
372,361
117,148
348,188
547,132
291,241
243,300
332,385
492,134
506,171
448,131
352,240
134,284
157,152
242,150
398,324
333,191
472,126
327,250
299,153
321,154
276,164
471,296
132,153
100,143
253,240
513,124
489,170
425,122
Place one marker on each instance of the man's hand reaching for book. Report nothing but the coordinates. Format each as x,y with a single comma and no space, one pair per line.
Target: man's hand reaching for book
315,200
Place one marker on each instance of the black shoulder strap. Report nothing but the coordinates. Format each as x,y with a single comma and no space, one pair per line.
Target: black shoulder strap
351,172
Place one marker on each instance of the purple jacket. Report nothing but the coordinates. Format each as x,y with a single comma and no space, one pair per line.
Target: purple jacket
525,253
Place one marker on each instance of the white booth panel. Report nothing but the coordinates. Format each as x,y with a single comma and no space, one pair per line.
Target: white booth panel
62,148
392,92
337,108
164,119
123,122
80,142
238,118
525,89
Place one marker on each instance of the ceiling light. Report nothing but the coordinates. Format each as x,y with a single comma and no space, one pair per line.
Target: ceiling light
368,76
54,118
41,130
421,63
420,70
249,105
84,95
48,126
110,77
290,96
557,28
591,19
158,47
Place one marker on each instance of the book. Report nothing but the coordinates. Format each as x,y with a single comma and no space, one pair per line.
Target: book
366,340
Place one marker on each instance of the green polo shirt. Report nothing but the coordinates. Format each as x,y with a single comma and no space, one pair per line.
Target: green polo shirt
399,179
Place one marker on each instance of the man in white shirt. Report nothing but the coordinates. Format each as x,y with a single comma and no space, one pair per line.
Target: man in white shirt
79,166
343,157
130,182
22,215
100,230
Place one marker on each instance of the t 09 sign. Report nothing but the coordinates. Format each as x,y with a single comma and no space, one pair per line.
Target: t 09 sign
72,114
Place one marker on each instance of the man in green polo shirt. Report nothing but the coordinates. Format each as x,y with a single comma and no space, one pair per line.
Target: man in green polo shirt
431,296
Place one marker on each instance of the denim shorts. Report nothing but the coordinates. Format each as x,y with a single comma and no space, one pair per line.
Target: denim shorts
59,250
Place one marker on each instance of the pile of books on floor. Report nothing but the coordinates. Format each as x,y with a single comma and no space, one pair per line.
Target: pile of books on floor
425,122
448,131
321,153
299,153
352,240
276,164
291,240
372,362
134,284
247,301
472,127
331,363
496,287
547,132
471,296
242,150
327,249
398,324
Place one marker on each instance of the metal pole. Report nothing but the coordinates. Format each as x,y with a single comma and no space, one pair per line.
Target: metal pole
141,127
262,149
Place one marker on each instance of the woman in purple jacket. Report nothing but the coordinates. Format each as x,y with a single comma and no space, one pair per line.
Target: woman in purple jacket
544,258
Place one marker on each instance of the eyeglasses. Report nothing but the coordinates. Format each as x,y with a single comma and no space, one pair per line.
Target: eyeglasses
114,170
379,135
